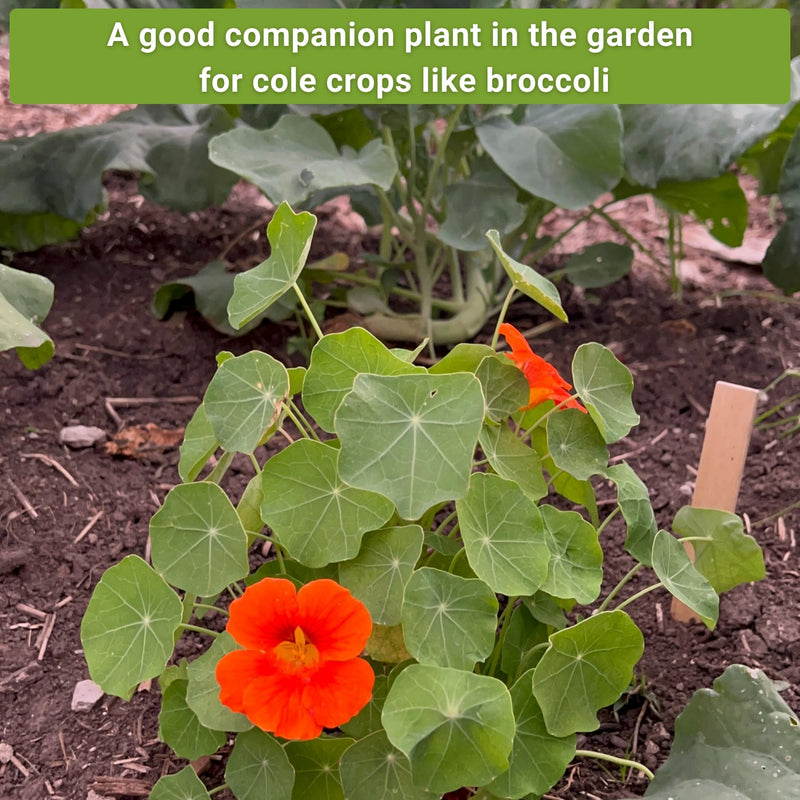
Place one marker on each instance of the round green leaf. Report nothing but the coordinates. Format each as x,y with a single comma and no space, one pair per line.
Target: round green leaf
576,566
297,158
599,265
537,758
486,199
257,289
128,630
243,399
202,693
199,444
504,386
456,727
634,502
316,768
25,300
513,460
578,150
411,437
464,357
675,570
380,571
259,768
723,553
586,667
528,281
503,535
183,785
198,542
374,768
576,445
605,386
314,514
179,727
335,362
448,621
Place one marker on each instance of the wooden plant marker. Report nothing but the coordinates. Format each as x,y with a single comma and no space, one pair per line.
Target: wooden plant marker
719,475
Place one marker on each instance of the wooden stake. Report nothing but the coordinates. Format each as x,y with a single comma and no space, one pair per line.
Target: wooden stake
719,476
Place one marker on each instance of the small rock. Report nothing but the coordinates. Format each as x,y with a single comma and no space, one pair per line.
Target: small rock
92,795
85,695
78,436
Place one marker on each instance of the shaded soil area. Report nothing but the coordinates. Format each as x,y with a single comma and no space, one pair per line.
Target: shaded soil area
66,515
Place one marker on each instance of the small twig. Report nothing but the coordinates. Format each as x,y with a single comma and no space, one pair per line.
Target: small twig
89,525
696,405
660,618
22,499
6,684
111,403
62,603
34,612
635,746
44,636
119,353
7,754
53,463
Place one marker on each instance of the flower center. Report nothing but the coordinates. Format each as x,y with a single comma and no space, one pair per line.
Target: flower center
298,654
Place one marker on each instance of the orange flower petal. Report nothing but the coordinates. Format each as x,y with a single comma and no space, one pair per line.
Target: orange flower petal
235,671
333,620
264,616
275,704
338,691
520,348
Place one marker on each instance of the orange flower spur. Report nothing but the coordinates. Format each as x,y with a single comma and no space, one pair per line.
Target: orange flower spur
298,672
543,378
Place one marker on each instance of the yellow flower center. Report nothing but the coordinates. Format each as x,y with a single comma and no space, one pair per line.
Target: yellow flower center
298,654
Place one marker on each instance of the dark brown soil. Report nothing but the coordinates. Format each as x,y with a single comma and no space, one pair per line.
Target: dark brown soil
109,345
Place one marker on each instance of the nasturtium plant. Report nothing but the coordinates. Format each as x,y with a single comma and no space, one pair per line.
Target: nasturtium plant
406,608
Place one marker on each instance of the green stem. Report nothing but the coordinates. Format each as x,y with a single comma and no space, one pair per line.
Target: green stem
608,519
279,555
502,316
636,596
219,471
774,410
456,281
505,618
302,425
622,762
616,590
254,462
438,159
211,608
765,520
234,591
523,662
307,309
217,789
453,563
446,521
620,228
197,629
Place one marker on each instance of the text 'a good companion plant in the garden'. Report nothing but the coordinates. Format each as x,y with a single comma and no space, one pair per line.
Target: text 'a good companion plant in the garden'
416,627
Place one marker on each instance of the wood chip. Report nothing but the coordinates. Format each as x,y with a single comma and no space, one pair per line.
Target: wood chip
9,683
89,525
142,441
52,463
660,618
781,529
133,787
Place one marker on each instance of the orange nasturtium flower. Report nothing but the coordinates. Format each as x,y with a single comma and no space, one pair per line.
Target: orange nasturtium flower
543,378
298,672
